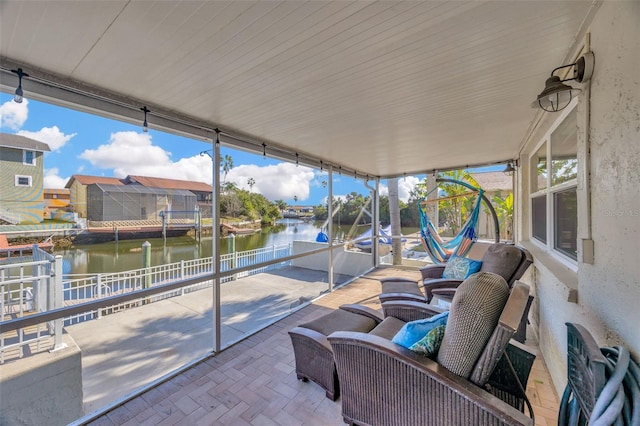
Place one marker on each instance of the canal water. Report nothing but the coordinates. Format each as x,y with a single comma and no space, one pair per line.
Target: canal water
127,254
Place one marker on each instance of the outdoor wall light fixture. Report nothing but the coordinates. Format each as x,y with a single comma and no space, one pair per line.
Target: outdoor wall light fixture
509,168
18,97
145,126
557,95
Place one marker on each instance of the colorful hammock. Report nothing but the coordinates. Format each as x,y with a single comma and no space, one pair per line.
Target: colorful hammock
439,250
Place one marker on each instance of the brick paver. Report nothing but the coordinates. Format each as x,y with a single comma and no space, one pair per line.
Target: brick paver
254,382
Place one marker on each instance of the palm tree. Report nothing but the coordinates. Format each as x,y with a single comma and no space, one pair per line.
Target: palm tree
226,164
251,181
504,210
230,187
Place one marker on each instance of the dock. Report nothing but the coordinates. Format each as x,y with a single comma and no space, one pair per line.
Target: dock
6,249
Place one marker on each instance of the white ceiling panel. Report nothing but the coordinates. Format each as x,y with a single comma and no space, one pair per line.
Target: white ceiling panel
384,88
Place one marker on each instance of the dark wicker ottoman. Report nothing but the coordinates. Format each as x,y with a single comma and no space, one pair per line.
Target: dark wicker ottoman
313,353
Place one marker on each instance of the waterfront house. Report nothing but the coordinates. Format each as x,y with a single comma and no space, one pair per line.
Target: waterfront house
201,190
387,89
77,185
108,203
21,179
56,200
94,197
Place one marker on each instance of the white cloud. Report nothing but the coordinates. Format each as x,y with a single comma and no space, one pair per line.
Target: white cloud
336,197
52,136
276,182
53,180
13,115
405,186
132,153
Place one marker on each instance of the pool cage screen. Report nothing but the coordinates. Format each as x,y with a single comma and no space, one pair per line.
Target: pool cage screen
135,202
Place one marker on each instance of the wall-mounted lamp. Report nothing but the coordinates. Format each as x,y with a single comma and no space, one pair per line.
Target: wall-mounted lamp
557,95
145,126
509,168
18,97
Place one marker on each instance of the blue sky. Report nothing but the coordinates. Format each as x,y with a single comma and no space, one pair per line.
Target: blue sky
86,144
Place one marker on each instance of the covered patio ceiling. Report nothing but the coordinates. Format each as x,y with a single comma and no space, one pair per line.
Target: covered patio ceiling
383,88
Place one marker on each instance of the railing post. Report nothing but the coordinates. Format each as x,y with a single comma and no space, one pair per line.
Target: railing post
58,302
182,276
146,264
99,295
231,243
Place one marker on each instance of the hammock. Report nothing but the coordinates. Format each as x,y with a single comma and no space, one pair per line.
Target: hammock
440,250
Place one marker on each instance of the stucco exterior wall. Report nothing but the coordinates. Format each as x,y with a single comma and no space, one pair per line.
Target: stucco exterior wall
611,286
604,295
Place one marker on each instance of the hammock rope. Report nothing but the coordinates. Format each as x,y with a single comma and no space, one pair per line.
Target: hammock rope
439,250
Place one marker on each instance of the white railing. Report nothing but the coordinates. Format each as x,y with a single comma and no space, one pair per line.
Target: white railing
110,284
25,288
34,286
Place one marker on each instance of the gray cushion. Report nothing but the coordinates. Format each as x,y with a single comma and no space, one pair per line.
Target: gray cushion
401,287
388,328
501,259
474,314
340,320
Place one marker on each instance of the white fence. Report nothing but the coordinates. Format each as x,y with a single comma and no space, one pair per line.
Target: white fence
25,288
34,286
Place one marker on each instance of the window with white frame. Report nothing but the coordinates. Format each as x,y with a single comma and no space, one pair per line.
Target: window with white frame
29,158
23,180
554,171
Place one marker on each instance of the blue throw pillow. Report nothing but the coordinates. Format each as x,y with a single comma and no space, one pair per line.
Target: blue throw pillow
429,344
413,331
459,268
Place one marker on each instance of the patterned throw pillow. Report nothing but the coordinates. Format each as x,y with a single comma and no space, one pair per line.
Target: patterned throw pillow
459,268
429,344
413,331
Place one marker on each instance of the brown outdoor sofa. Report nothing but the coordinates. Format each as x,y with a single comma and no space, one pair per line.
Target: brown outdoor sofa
468,383
507,260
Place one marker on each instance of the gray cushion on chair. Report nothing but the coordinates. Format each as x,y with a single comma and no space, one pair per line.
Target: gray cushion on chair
501,259
401,287
388,328
340,320
475,310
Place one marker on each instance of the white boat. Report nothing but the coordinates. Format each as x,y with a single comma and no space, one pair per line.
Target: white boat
364,240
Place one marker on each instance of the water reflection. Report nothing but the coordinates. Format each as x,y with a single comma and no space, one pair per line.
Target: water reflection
127,254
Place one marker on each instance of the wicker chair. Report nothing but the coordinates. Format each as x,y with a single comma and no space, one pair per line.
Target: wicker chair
385,384
508,261
313,354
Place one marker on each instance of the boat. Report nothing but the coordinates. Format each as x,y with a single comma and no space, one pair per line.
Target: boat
363,241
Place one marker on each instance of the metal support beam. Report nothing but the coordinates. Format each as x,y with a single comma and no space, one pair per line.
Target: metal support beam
330,227
215,237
